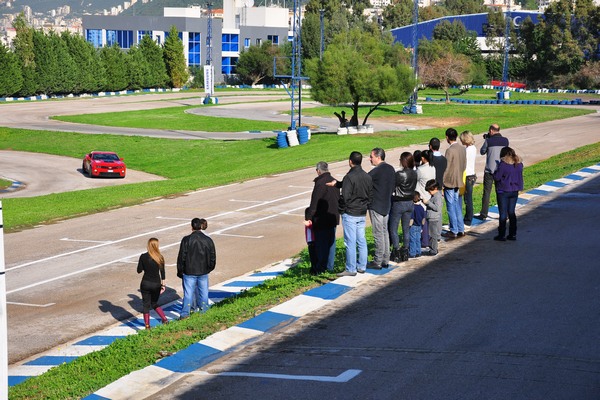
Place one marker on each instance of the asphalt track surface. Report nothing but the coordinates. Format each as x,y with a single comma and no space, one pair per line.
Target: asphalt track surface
79,274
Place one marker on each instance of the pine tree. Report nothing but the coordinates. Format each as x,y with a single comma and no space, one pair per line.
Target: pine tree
11,78
175,59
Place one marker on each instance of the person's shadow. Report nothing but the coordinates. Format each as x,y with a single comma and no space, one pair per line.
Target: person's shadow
119,313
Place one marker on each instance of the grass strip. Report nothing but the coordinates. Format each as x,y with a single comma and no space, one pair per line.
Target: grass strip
173,118
93,371
192,164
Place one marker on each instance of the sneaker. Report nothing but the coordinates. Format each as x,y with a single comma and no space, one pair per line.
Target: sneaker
373,265
361,271
346,273
385,265
460,234
449,235
500,238
432,253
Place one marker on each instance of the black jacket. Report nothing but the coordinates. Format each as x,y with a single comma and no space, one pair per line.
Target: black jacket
384,178
406,183
323,210
357,192
197,255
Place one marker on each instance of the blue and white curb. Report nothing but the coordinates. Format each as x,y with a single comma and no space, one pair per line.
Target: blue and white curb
154,378
16,185
41,363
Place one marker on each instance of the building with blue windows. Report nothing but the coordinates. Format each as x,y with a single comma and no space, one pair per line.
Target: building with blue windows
241,26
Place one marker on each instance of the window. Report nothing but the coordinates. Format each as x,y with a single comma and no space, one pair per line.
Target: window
273,39
258,41
194,48
123,38
141,35
94,36
246,43
230,42
228,65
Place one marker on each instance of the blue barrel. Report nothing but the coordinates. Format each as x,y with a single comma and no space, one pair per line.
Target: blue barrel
282,139
303,134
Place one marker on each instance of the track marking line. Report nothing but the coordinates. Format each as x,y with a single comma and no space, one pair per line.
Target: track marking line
83,240
30,305
341,378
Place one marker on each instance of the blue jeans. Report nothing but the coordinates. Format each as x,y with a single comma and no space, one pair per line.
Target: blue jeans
194,286
507,202
354,235
415,241
454,208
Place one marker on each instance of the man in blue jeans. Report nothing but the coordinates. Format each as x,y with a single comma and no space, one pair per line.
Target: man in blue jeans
357,194
197,258
456,156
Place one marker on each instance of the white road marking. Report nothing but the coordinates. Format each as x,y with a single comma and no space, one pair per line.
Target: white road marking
299,187
245,201
239,236
341,378
87,241
30,305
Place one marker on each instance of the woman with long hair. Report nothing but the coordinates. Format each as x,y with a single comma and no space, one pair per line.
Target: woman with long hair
402,206
509,180
152,264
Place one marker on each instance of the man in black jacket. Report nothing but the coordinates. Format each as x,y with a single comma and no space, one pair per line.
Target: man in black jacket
357,194
197,258
383,176
323,215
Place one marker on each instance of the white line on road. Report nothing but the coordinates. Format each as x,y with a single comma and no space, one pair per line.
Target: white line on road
341,378
240,236
87,241
245,201
30,305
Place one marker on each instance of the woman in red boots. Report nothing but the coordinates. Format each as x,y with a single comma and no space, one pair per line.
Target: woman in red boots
152,264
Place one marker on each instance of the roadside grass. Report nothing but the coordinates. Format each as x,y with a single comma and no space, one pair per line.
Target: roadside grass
490,94
4,184
93,371
192,164
173,118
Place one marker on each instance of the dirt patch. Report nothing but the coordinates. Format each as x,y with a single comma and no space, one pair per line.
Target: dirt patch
425,121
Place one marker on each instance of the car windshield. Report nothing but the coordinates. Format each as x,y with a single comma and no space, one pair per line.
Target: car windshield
105,157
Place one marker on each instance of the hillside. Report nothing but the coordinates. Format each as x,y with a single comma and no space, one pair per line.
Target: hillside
78,7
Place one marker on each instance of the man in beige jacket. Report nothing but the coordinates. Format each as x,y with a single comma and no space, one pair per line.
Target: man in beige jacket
456,156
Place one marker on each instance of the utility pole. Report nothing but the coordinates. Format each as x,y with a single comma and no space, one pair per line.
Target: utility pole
506,48
209,69
3,318
411,108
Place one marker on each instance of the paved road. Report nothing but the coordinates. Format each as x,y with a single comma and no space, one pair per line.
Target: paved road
484,320
92,259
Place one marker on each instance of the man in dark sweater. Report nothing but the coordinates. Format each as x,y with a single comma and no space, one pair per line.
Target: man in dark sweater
323,215
383,177
357,194
493,143
438,161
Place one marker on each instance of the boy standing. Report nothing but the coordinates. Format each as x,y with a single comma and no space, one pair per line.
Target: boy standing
417,220
434,215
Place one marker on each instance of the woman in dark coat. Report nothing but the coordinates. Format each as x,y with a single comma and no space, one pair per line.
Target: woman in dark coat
152,264
402,206
509,180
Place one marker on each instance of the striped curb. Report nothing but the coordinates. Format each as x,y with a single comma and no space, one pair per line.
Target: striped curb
16,185
19,372
169,369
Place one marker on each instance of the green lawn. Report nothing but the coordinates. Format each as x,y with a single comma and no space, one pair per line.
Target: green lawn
193,164
4,183
93,371
173,118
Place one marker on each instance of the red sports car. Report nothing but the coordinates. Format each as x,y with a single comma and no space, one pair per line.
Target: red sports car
104,163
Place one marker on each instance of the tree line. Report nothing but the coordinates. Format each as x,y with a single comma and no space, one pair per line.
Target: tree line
563,50
41,63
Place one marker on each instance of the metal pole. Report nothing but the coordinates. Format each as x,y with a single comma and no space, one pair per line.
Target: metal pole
506,49
3,318
322,48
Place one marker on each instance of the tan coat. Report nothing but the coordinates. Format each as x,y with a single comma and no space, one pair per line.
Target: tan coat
456,155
